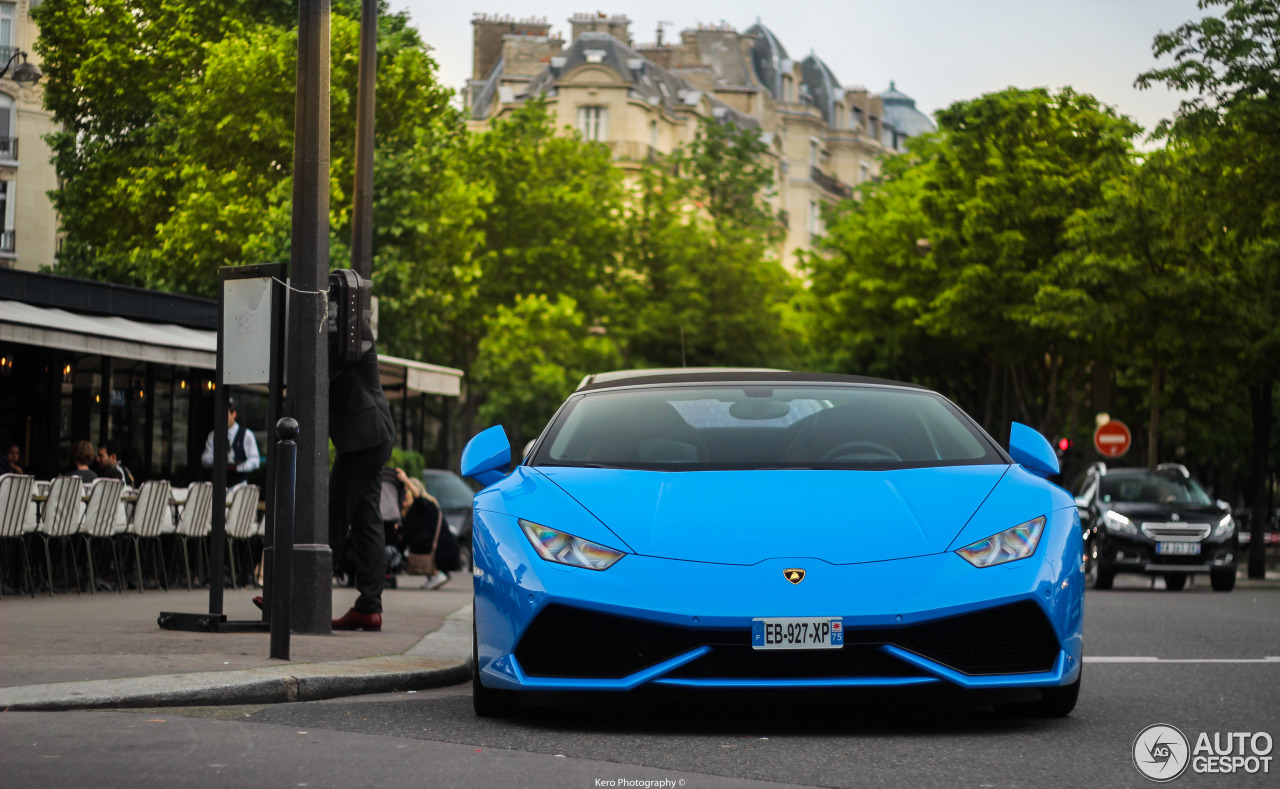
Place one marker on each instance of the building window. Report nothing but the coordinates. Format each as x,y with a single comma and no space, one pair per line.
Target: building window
6,31
875,127
813,153
815,221
855,118
593,123
653,135
6,218
864,172
786,88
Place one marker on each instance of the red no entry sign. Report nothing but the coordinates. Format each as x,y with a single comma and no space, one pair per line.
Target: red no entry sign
1112,439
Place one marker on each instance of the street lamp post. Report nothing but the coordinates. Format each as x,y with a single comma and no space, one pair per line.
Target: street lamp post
25,73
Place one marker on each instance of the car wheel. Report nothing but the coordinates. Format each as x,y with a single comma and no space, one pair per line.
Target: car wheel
1223,580
488,702
1054,702
1175,582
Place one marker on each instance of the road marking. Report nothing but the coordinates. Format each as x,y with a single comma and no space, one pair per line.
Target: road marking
1100,659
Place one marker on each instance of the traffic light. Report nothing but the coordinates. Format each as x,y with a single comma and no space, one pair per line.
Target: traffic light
1062,444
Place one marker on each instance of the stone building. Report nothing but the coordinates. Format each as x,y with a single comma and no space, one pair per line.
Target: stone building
28,223
645,100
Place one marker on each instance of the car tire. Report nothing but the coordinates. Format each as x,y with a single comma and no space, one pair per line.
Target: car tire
489,702
1223,580
1103,577
1175,582
1054,702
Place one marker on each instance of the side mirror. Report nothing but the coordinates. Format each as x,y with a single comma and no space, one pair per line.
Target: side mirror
1032,451
1224,506
487,456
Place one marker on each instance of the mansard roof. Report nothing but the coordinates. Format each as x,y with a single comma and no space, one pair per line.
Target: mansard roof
769,58
647,80
823,87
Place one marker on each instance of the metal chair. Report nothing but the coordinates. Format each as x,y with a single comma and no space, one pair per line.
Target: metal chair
98,522
240,522
60,521
150,516
195,521
15,496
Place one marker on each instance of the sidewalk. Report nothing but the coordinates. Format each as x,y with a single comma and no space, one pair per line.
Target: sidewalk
105,650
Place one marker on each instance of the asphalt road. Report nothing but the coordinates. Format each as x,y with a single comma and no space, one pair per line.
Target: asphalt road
1193,659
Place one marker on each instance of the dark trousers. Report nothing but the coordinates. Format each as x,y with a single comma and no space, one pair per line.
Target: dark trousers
354,492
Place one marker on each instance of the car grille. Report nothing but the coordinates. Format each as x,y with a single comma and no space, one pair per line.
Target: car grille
1176,532
571,642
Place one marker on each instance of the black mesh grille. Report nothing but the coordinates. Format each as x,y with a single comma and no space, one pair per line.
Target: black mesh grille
1005,640
571,642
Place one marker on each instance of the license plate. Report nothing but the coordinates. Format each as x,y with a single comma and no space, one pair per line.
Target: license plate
1178,548
797,632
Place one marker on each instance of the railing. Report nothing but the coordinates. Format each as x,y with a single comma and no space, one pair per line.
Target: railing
7,239
6,52
631,151
832,185
8,149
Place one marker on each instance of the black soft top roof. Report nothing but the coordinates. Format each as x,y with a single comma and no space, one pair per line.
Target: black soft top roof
747,378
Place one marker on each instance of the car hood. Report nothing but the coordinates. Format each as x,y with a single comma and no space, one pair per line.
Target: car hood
743,517
1144,511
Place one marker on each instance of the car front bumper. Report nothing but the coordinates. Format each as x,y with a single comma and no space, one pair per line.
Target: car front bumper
931,620
1123,553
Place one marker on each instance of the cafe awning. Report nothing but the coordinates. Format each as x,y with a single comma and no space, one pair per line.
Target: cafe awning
166,343
121,338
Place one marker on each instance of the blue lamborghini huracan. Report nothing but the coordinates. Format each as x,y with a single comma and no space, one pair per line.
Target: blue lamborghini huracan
753,530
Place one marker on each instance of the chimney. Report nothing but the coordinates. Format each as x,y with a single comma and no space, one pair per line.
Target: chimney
487,33
615,25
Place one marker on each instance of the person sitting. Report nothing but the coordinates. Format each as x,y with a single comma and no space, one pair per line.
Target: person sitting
109,465
426,531
81,457
9,460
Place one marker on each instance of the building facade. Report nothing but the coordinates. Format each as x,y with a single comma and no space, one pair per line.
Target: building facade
28,222
646,100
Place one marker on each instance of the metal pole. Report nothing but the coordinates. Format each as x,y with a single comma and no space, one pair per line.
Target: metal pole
362,216
308,366
285,461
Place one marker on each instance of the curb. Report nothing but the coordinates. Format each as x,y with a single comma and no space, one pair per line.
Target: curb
440,658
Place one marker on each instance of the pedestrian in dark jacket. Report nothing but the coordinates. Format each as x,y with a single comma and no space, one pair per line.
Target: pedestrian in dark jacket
362,433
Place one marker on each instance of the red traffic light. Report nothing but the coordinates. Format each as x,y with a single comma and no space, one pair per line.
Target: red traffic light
1064,444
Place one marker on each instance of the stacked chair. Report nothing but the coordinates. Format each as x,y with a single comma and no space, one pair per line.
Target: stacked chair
150,520
241,517
195,523
61,521
98,523
15,498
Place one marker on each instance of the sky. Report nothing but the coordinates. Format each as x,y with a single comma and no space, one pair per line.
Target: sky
936,51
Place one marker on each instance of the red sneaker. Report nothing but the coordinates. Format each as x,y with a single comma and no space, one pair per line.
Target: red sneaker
354,620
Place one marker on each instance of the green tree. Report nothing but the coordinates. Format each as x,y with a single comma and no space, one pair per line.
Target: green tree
532,357
953,246
1231,63
705,286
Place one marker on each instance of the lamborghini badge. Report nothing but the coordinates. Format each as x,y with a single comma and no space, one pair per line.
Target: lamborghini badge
794,574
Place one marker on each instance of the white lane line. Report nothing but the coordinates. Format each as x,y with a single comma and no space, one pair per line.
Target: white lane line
1102,659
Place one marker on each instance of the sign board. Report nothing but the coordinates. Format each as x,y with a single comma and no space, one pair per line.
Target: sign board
1112,439
246,331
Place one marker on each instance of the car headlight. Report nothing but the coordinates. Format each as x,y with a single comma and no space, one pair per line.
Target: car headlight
1007,546
556,546
1119,523
1225,528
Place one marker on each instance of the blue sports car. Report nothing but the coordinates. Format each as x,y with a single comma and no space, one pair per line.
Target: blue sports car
752,530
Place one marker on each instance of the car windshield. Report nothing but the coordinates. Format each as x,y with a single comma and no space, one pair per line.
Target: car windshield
450,490
706,427
1152,488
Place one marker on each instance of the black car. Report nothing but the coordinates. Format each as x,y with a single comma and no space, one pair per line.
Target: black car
454,495
1161,521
